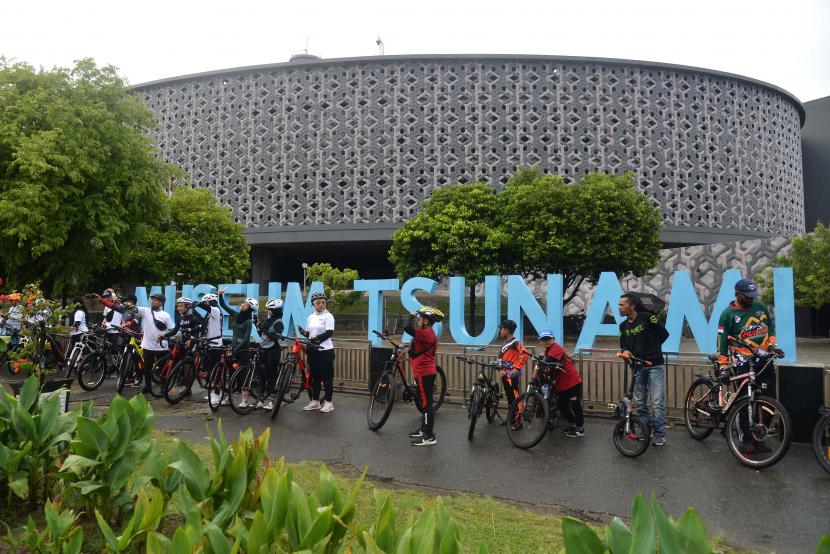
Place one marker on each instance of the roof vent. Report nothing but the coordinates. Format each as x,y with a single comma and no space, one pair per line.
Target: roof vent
303,56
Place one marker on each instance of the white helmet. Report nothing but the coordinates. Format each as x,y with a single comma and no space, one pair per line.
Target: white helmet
184,300
274,304
210,297
253,303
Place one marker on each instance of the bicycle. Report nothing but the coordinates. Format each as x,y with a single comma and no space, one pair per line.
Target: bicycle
631,436
247,385
382,397
131,361
293,377
218,379
821,439
163,366
98,364
179,380
83,346
484,395
537,409
752,421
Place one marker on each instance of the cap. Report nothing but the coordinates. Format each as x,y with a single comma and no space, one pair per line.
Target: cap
546,334
748,287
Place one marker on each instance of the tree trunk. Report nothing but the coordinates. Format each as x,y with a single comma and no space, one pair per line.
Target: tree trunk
472,330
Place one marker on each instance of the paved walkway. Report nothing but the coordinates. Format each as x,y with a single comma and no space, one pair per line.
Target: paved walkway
784,508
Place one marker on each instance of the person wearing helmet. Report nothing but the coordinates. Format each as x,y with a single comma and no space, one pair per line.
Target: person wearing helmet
422,359
79,319
320,328
241,322
513,357
187,320
269,330
112,318
568,384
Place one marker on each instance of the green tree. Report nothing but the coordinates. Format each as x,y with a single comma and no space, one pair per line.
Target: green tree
338,283
192,239
454,233
810,260
599,223
78,172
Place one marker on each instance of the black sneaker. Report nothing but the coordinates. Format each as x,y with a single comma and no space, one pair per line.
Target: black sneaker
416,434
426,440
575,432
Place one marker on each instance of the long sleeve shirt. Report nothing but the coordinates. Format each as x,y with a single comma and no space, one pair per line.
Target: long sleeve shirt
752,324
644,337
240,323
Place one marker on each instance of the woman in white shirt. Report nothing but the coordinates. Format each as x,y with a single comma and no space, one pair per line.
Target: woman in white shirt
78,325
319,329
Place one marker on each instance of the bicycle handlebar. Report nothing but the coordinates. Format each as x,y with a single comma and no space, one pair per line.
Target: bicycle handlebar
385,337
632,358
302,340
772,349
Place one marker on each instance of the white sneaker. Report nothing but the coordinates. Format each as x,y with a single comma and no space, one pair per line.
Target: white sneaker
269,405
327,407
243,404
259,405
313,405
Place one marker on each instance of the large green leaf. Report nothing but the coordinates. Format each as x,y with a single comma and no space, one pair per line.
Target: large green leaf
692,533
823,545
90,439
643,536
669,541
579,538
29,393
196,477
618,536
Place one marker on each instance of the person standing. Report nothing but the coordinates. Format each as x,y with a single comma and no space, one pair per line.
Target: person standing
79,323
270,331
568,384
745,318
422,359
319,329
241,322
155,322
513,357
642,336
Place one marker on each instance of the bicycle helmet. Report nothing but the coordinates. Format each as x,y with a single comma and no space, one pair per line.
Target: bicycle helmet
253,303
160,297
107,293
317,296
433,315
184,300
508,324
274,304
210,298
546,334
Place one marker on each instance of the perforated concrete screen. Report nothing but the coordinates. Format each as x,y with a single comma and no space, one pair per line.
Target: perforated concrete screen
364,140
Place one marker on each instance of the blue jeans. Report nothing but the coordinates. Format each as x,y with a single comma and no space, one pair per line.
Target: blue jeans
651,380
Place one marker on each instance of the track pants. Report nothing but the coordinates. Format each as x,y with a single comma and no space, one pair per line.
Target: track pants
321,367
426,384
570,405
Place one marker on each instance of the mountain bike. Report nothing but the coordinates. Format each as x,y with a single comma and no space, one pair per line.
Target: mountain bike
83,346
131,361
247,385
821,439
484,395
293,377
631,436
49,355
757,427
382,397
179,381
163,366
218,379
98,364
536,410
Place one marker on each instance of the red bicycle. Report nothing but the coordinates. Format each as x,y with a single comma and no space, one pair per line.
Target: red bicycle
293,377
217,385
163,367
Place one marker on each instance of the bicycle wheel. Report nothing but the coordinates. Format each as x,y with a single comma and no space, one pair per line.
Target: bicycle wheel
202,373
635,440
240,387
821,441
123,371
440,389
178,383
92,371
71,363
296,385
527,419
381,401
474,411
216,386
767,440
492,405
158,374
284,378
698,414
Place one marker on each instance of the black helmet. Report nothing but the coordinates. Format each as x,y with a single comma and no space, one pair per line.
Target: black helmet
159,296
317,296
508,324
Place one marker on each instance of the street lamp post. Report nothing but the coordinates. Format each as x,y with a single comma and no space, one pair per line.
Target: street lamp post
305,273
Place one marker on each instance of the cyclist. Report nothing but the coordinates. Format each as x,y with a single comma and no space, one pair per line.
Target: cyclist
422,358
14,318
79,325
186,319
749,320
240,322
568,384
319,329
270,345
130,318
513,357
642,336
155,322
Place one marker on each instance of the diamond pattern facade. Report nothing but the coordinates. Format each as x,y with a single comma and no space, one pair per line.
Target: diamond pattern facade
365,140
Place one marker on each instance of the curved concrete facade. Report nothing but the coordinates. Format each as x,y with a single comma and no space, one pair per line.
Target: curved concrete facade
339,150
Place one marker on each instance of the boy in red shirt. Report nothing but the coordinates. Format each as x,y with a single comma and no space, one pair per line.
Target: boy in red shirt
422,358
568,384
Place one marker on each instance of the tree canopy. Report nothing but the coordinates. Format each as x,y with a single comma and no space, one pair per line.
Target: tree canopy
810,260
192,239
78,173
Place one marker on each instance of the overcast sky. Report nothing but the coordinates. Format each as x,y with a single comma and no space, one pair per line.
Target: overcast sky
784,43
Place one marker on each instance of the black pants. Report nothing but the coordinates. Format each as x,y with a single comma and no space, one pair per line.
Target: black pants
272,368
570,405
212,355
321,367
150,357
426,384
